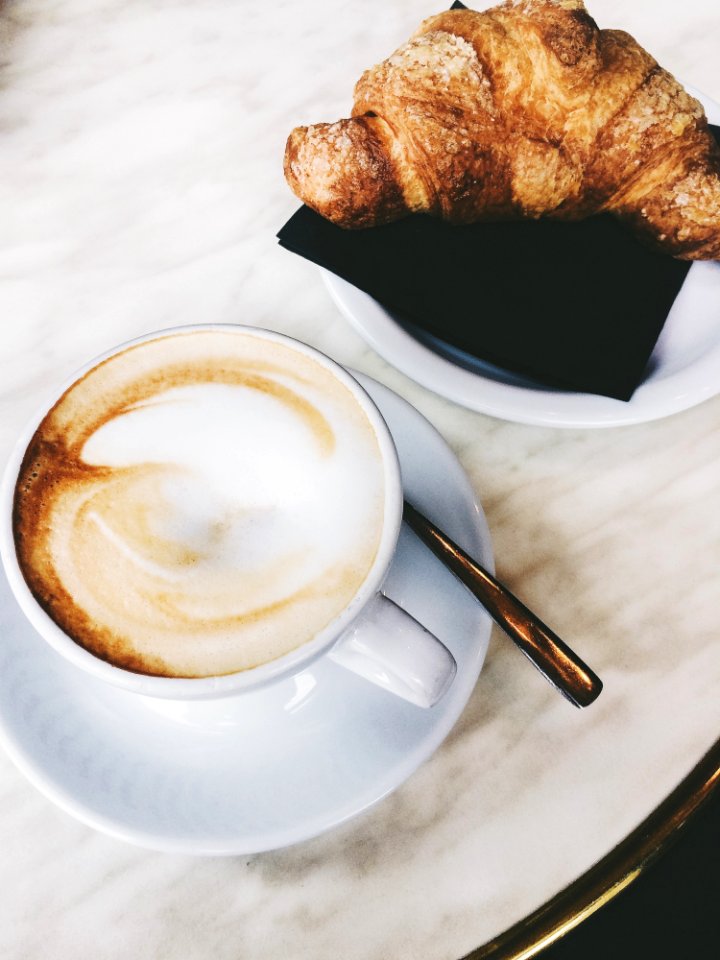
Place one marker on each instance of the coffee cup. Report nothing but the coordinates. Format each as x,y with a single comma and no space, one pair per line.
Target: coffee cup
208,509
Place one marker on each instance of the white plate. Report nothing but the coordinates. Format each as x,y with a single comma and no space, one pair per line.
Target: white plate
272,767
683,371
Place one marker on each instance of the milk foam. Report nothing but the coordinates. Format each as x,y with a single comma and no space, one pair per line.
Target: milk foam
200,504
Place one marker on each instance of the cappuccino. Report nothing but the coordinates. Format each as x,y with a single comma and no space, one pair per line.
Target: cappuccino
200,503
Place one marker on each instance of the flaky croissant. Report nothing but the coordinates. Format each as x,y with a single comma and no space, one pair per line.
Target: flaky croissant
524,110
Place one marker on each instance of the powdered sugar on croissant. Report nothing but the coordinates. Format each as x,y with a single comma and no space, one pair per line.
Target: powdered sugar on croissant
523,110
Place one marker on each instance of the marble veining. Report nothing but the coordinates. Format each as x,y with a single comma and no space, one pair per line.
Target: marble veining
141,187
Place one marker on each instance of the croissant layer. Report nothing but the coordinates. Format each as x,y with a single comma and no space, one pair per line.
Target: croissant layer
523,110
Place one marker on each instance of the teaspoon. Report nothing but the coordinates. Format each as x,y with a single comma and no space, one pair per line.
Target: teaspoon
552,657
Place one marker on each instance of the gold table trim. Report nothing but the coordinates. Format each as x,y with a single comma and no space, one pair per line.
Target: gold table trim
612,874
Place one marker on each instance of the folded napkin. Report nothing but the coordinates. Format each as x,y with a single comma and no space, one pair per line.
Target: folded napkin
572,305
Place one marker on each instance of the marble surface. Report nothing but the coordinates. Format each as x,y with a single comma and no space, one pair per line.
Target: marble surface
141,187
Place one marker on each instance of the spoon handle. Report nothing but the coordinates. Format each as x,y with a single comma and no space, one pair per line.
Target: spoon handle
553,658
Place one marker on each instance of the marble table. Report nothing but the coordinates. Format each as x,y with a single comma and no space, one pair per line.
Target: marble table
141,187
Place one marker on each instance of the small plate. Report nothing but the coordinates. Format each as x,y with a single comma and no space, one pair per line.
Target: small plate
684,369
271,767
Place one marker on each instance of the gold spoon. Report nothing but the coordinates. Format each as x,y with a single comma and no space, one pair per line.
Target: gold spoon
553,658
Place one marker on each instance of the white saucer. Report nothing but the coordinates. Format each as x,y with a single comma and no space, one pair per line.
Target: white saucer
272,767
683,371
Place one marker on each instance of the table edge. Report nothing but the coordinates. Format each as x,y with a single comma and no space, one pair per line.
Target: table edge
610,875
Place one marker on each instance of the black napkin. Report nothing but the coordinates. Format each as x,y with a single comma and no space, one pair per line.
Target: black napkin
571,305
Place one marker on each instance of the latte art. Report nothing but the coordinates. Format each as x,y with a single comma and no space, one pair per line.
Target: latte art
199,504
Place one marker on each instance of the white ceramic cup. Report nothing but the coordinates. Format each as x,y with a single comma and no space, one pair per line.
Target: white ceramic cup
372,636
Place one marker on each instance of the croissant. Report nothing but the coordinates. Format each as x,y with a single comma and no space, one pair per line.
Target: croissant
523,110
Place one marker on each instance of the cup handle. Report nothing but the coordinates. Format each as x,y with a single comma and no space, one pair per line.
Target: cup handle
388,647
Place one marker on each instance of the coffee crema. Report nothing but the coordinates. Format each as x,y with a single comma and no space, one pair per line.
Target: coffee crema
200,504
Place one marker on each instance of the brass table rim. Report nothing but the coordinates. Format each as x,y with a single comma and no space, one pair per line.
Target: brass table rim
610,875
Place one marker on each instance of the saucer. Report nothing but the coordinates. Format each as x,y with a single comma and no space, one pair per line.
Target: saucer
274,766
684,368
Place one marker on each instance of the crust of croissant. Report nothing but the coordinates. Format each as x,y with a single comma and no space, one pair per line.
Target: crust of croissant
523,110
